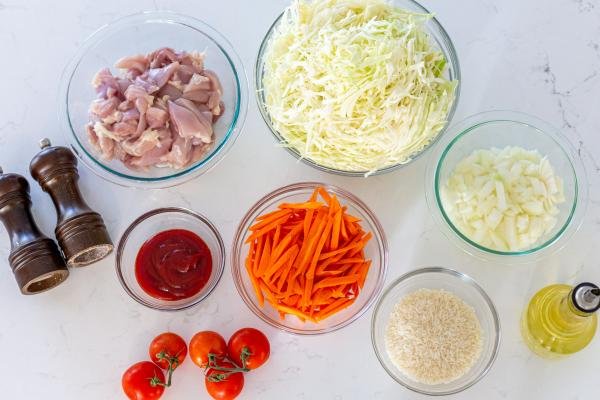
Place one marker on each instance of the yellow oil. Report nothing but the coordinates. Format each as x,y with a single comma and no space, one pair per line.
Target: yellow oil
552,326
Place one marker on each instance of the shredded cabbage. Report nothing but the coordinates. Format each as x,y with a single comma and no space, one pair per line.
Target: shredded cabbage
504,199
355,85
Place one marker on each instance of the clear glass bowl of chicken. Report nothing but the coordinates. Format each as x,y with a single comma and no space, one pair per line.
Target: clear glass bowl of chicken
153,100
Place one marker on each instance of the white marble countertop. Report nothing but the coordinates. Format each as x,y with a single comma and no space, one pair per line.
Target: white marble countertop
74,342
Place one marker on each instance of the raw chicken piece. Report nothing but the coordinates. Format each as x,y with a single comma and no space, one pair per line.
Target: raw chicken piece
180,154
138,62
214,101
92,137
189,121
122,155
217,92
170,90
160,76
201,111
198,89
141,126
107,147
154,156
155,117
104,107
162,57
185,73
131,114
125,129
216,83
146,142
123,85
135,92
149,87
104,80
199,152
197,60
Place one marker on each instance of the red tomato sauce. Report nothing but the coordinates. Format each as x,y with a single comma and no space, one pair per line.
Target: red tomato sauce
173,265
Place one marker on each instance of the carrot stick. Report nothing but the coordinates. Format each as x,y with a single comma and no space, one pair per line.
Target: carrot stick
259,294
275,276
268,227
292,252
286,241
335,233
302,206
265,259
335,272
276,236
343,231
327,313
293,311
272,216
315,257
324,194
342,280
364,270
285,273
351,246
259,250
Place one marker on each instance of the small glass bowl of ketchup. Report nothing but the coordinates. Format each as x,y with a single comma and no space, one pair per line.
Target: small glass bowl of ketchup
170,259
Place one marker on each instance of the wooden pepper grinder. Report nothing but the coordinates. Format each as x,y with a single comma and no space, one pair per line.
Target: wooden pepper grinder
34,258
80,232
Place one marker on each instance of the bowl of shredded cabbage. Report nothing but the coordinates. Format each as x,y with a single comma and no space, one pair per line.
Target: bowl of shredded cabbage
504,183
357,87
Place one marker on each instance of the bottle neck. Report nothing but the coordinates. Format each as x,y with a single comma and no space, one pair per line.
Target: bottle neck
571,313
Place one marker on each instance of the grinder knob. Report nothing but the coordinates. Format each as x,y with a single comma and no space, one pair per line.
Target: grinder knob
80,231
34,258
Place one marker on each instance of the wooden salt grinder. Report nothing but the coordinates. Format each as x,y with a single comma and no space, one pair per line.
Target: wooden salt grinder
80,232
34,258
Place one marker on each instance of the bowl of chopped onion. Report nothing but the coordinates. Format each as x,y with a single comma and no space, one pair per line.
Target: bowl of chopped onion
357,89
504,183
153,99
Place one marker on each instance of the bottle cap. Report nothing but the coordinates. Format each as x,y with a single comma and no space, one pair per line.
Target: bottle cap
586,297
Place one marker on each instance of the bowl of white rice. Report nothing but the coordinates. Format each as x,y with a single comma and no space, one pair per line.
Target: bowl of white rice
435,331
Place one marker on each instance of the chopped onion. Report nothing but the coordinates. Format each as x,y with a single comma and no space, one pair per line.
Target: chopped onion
355,85
504,199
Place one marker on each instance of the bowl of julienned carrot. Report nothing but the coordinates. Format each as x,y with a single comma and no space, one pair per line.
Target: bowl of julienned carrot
309,258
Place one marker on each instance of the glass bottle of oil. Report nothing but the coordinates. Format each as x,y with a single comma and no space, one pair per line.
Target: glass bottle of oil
561,319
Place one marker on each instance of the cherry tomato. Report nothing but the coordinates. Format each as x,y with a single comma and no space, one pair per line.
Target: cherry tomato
227,389
138,381
255,342
206,342
170,344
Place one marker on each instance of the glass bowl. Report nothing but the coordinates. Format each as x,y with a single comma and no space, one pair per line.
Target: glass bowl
439,37
500,129
462,286
148,225
376,250
143,33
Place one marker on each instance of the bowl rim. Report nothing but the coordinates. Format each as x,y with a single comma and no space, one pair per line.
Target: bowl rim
237,246
233,130
468,126
451,57
467,280
163,210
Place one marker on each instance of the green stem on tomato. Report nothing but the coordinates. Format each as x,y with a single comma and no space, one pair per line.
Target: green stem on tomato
173,363
226,371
